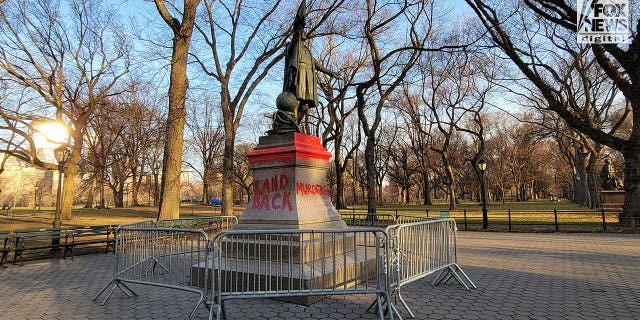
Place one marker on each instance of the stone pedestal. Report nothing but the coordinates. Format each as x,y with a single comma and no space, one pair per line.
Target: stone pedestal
289,185
612,199
290,192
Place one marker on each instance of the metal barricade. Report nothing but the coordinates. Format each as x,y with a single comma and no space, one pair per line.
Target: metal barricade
381,220
159,257
139,224
423,248
210,225
299,264
411,219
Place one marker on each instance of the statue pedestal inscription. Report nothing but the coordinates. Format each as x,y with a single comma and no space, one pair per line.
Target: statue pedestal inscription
289,185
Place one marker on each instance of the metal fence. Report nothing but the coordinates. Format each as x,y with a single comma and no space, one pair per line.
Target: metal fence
158,257
421,249
139,224
381,220
164,254
540,220
210,225
299,264
410,219
545,220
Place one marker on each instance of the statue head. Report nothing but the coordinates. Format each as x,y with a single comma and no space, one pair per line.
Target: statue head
299,22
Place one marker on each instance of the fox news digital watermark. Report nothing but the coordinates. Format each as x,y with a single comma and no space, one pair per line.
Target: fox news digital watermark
603,21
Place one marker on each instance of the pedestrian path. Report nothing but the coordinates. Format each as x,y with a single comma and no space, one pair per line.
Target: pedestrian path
519,276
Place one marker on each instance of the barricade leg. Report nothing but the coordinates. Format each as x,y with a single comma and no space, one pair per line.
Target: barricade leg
384,306
115,283
454,271
404,304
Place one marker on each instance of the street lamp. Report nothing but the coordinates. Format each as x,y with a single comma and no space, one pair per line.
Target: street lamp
156,183
62,154
482,166
35,200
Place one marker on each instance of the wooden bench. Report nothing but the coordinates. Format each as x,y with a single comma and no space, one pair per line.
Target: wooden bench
88,235
38,239
5,242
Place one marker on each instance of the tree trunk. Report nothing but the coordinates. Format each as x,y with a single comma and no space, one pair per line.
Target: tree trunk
631,211
227,170
68,186
340,203
354,202
582,186
407,194
102,204
90,193
71,167
135,186
370,156
178,84
593,181
205,191
156,189
577,192
118,196
450,187
379,190
425,191
172,161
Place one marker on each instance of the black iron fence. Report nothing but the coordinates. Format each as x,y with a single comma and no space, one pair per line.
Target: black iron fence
553,220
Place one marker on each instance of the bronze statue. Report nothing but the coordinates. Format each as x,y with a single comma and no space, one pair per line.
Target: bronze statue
608,177
299,80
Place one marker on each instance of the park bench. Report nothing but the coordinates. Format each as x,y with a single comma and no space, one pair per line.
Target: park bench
37,239
88,235
5,241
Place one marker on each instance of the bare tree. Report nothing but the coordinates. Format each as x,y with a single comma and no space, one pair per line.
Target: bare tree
402,167
103,136
68,64
242,170
417,132
332,117
619,63
182,29
389,65
447,86
207,141
143,130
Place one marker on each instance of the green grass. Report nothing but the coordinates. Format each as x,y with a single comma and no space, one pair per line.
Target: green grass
538,217
24,218
526,216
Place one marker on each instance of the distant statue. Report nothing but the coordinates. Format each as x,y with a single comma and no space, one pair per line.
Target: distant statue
608,177
299,80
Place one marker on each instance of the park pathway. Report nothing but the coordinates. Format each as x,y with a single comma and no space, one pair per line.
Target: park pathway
519,276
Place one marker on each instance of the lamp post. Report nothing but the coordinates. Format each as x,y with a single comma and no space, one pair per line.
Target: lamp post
62,154
482,166
35,200
156,183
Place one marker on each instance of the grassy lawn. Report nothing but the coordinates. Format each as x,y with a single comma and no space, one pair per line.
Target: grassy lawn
525,216
24,218
441,205
529,216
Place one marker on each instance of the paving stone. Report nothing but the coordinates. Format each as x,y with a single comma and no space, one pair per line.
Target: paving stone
519,276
